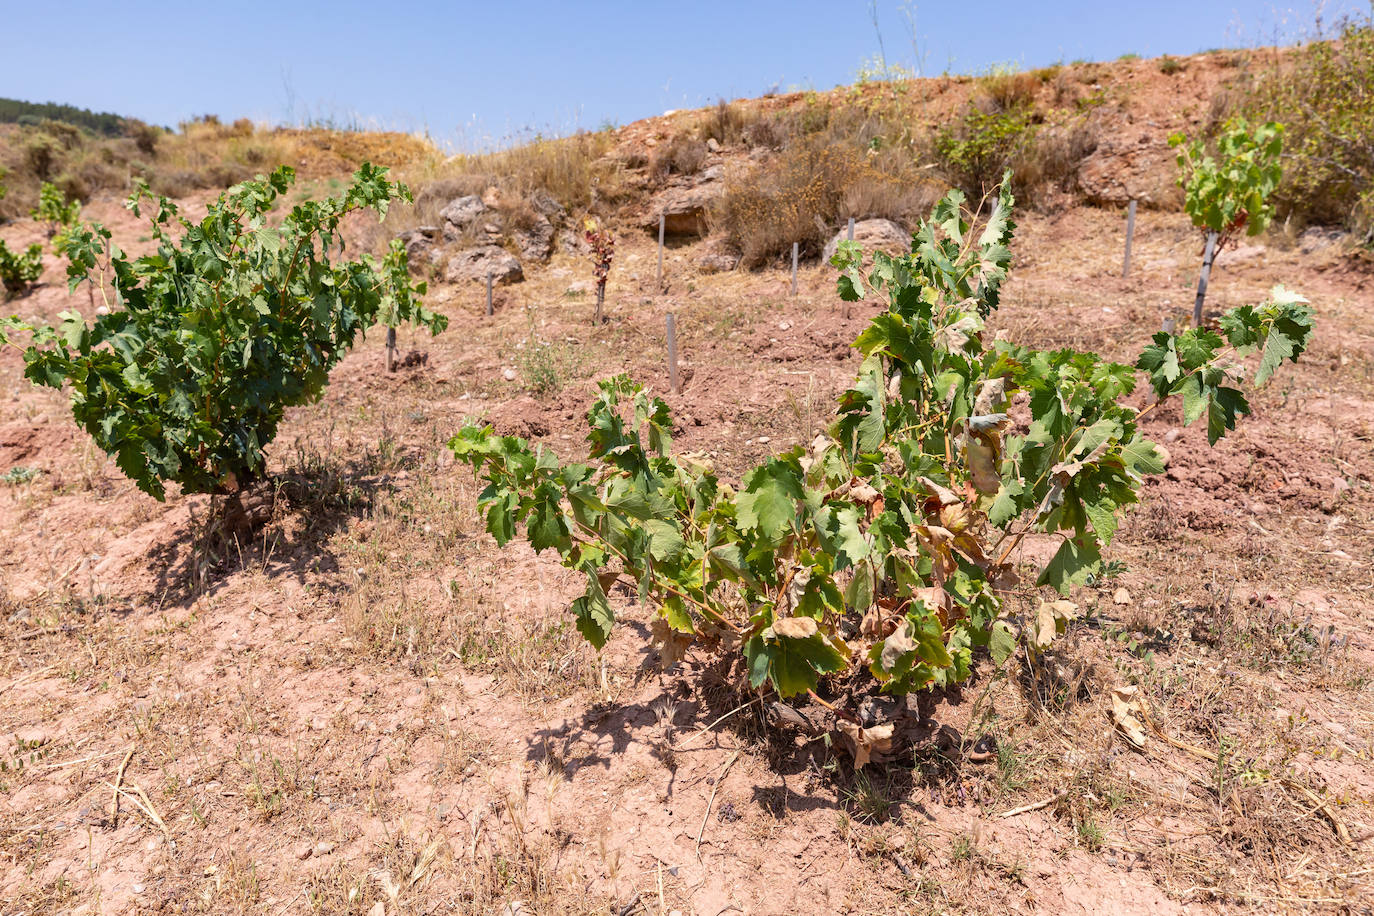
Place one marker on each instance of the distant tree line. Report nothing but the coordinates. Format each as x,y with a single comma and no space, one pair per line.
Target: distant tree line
14,111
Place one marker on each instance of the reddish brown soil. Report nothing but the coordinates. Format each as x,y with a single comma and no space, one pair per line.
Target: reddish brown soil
368,708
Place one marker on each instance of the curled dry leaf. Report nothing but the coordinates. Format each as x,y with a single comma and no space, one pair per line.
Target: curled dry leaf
1121,597
1126,714
863,742
672,645
795,627
1050,620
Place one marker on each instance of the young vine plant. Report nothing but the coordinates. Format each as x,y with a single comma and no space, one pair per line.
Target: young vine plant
891,542
186,374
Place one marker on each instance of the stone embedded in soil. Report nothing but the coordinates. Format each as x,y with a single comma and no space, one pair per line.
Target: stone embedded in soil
873,234
475,264
462,212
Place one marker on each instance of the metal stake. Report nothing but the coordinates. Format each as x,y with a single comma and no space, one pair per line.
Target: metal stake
1207,257
1130,234
672,354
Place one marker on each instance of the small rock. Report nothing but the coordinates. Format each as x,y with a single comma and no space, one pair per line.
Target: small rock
304,852
475,264
509,375
873,234
546,205
323,848
534,241
137,888
764,440
783,326
718,257
378,909
462,212
712,145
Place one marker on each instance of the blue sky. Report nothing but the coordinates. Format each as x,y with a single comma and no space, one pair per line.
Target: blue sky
473,74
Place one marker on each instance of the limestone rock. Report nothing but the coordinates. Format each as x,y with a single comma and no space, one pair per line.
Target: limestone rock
462,212
874,235
535,242
717,257
476,263
684,209
547,206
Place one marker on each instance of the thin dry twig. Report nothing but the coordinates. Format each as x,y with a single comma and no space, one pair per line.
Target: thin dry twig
119,780
1036,806
712,800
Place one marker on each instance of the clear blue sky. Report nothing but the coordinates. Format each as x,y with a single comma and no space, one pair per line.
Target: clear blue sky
475,73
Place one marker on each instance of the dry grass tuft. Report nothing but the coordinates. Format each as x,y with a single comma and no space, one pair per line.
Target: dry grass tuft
805,192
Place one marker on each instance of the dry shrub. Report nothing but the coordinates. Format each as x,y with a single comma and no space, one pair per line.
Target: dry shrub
802,193
575,170
975,150
1321,93
1051,161
765,133
1010,91
681,155
726,123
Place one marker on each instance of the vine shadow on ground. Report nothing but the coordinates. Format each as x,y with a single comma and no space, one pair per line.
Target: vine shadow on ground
281,526
707,706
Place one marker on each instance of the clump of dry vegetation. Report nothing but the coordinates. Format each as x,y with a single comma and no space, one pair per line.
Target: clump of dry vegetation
203,153
804,192
1320,92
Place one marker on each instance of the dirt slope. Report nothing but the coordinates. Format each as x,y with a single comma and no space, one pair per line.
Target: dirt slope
368,708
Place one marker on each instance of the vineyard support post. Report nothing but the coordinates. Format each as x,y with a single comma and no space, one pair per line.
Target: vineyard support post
1130,234
1208,256
489,311
844,306
662,224
794,268
390,349
672,353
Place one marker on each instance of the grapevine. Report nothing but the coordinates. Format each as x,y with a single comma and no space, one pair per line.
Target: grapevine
602,245
185,375
888,547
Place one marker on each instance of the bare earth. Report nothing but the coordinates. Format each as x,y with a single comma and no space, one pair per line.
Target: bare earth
368,708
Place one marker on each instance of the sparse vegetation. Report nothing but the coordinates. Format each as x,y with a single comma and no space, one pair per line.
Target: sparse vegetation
816,542
359,703
271,316
1320,93
19,270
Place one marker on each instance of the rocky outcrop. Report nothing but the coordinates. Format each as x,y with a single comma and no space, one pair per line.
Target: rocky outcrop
874,235
477,263
717,257
535,241
461,214
422,246
684,209
1126,168
547,206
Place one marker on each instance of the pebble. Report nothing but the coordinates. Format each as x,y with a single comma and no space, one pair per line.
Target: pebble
137,888
508,375
323,848
764,440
